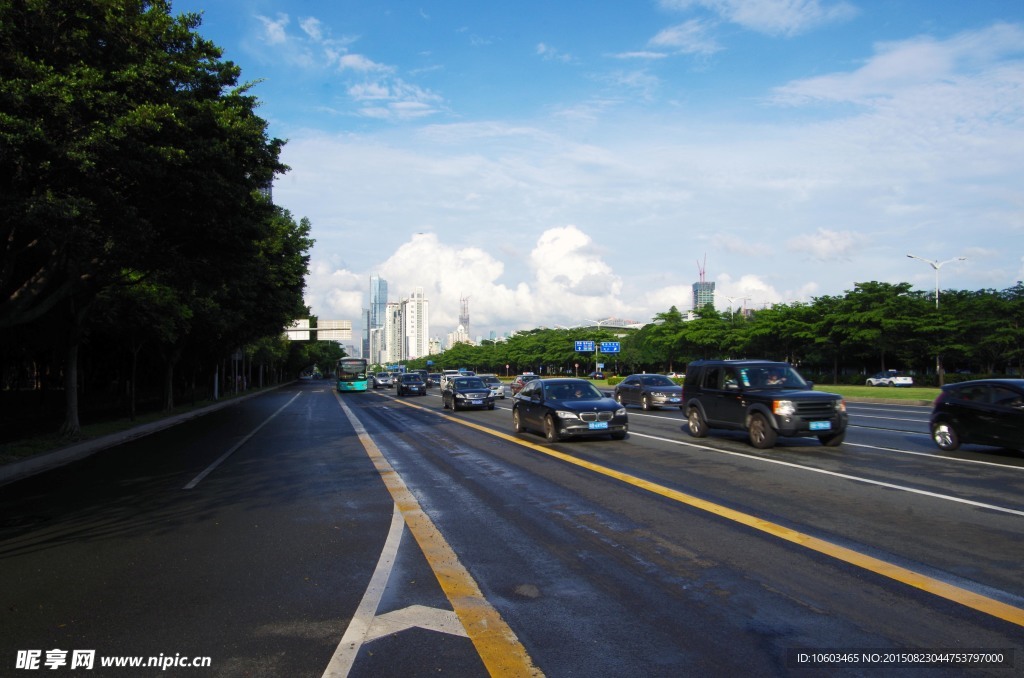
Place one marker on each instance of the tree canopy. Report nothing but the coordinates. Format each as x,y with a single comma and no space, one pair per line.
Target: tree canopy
876,326
133,179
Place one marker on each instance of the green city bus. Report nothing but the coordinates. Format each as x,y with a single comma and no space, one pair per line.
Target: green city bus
351,374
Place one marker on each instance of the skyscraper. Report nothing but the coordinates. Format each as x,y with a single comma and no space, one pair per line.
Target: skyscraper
703,294
378,300
703,291
374,316
416,325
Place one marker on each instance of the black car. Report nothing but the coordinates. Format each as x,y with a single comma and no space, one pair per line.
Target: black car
984,411
650,391
767,399
466,392
567,408
411,383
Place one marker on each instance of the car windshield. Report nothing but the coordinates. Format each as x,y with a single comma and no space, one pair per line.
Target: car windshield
771,376
469,383
657,380
412,379
492,380
574,391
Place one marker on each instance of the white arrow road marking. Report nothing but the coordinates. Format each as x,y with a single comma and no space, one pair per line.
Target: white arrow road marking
415,616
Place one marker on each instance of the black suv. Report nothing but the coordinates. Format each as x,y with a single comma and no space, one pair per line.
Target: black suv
768,399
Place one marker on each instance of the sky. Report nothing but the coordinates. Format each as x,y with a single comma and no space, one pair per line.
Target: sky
563,162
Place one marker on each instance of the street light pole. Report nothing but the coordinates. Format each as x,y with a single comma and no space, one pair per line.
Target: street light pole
731,301
937,265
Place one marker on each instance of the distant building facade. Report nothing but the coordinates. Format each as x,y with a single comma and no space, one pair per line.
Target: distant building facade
416,325
703,294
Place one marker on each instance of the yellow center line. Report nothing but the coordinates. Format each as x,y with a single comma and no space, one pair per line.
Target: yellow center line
975,601
495,642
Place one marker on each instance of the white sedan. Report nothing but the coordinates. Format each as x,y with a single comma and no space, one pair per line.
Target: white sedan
890,378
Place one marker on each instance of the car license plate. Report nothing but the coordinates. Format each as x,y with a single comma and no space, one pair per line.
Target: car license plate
477,402
598,424
674,400
821,425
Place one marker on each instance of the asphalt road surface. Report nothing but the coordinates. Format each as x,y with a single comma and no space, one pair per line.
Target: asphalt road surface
309,533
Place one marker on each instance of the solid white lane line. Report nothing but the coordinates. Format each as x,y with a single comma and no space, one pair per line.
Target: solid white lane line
834,474
933,455
356,633
209,469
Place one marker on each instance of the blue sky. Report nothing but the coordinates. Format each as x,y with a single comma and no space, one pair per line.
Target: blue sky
557,162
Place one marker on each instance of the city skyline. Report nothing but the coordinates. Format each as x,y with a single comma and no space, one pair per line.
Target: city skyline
555,174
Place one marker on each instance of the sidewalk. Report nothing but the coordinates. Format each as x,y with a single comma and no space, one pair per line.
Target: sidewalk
29,466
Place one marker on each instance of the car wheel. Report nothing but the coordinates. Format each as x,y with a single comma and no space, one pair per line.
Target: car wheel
455,405
491,406
762,435
551,429
698,427
891,383
833,440
945,436
517,423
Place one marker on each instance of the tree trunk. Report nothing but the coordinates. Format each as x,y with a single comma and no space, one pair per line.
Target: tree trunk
132,385
71,428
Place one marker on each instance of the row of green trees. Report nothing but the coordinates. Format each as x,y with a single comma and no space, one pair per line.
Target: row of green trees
139,240
876,326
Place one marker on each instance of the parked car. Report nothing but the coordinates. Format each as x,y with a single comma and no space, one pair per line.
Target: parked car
890,378
767,399
596,375
517,384
411,383
382,380
983,411
492,381
466,392
650,391
567,408
676,375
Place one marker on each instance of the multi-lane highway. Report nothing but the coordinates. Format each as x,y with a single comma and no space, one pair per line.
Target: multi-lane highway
304,533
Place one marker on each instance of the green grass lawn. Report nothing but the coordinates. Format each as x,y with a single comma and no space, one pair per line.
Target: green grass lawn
913,393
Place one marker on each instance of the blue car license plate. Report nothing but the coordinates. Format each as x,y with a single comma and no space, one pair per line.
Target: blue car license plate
477,402
821,425
598,425
674,400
